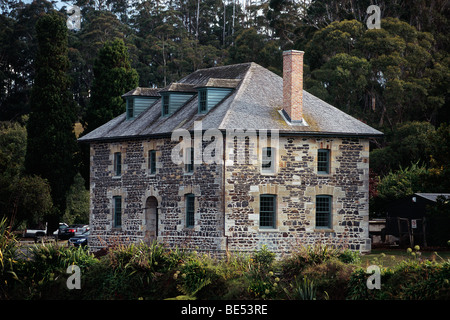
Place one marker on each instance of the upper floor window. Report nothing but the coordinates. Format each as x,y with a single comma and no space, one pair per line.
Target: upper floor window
268,160
152,161
189,160
323,161
190,210
117,164
323,211
267,211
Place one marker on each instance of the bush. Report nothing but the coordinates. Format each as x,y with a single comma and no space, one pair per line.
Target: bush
409,280
198,276
330,278
44,275
303,257
152,272
304,289
263,283
8,261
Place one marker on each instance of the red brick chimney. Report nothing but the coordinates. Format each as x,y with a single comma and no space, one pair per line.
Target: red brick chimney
293,85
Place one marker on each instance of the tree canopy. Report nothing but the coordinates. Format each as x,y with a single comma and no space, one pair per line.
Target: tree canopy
52,146
395,78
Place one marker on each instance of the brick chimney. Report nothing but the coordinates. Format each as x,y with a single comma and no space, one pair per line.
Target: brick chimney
293,86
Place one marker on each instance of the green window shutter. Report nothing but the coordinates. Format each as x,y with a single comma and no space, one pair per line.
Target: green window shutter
267,211
323,161
117,201
323,211
152,161
165,105
202,100
190,210
117,164
130,108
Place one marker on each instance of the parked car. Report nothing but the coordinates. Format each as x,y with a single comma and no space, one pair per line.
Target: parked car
41,231
80,240
64,233
75,230
61,230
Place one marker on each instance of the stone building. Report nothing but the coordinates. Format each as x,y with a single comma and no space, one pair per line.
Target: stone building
229,159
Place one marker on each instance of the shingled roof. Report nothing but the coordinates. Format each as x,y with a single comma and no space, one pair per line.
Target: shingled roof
255,103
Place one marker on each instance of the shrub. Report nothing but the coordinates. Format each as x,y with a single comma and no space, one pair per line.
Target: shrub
305,256
263,283
44,275
8,261
349,256
330,278
304,289
414,279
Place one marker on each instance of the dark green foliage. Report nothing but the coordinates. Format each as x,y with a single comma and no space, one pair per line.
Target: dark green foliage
152,272
51,141
410,280
113,77
8,252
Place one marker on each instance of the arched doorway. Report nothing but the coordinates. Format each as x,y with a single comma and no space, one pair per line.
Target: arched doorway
151,220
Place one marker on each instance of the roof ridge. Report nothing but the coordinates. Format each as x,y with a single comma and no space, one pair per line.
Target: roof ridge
225,66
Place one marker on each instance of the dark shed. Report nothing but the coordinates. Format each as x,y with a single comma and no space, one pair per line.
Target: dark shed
406,218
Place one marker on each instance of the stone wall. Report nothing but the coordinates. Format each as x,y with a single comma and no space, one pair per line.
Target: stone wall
227,210
295,184
169,186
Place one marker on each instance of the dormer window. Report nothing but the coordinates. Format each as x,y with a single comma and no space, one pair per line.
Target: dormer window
213,92
174,96
202,100
130,107
165,104
138,100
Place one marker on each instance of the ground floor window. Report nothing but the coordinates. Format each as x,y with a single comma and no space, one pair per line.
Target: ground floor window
117,209
267,211
323,211
190,210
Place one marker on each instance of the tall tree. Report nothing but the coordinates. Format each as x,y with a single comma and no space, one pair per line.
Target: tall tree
114,76
51,140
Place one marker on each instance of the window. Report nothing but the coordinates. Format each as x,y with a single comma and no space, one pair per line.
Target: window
323,211
117,163
267,209
165,105
190,210
268,160
152,161
202,101
130,108
323,161
117,209
189,161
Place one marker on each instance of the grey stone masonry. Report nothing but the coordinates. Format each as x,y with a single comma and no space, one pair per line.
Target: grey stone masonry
226,211
295,184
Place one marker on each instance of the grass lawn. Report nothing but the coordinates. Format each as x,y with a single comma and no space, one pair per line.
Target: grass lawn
391,257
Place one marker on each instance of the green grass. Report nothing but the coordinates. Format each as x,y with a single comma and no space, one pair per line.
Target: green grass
389,258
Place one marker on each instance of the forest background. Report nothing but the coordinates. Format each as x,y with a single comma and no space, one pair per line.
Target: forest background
396,79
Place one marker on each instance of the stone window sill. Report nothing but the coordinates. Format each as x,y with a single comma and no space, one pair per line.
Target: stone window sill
268,230
323,230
